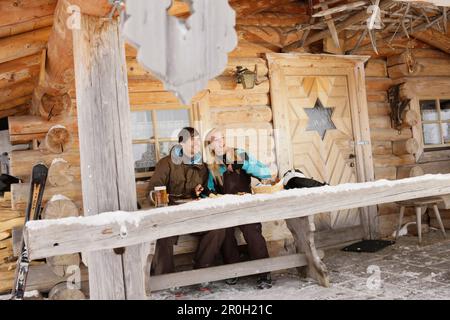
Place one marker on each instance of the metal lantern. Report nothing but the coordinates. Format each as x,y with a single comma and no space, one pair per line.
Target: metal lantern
246,77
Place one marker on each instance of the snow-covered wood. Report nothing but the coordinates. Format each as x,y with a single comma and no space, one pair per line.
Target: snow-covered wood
165,42
105,231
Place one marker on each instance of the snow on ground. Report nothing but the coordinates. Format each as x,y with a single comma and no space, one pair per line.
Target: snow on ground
402,271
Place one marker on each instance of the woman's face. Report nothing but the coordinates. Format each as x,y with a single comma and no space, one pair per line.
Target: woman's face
218,143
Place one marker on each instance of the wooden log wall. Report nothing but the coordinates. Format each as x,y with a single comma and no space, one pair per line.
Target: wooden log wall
428,75
395,151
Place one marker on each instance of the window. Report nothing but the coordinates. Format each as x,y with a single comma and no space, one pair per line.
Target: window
435,115
154,133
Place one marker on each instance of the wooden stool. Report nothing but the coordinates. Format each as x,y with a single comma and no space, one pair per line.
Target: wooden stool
418,204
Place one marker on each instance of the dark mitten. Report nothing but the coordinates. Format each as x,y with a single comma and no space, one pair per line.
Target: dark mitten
297,183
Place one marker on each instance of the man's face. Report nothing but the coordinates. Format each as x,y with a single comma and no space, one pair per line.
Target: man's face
218,143
192,146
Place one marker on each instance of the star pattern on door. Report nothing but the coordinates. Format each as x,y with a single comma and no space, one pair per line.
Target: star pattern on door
321,128
320,118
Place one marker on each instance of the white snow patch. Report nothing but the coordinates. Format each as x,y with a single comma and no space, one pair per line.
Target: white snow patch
31,294
58,197
432,276
403,231
57,126
123,231
56,160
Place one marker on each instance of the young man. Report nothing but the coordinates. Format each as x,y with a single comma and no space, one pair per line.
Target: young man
184,174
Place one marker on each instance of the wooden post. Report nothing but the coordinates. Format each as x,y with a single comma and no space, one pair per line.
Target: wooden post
363,147
302,230
106,156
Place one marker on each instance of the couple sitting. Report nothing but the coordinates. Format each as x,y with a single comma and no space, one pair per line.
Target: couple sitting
186,176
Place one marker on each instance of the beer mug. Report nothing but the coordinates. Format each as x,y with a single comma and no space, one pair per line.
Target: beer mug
161,198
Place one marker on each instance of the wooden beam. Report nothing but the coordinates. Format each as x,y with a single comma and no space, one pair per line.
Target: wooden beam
19,70
106,152
34,24
19,110
16,102
269,19
249,7
36,125
296,7
434,38
13,12
330,23
24,44
433,2
326,11
17,90
227,271
51,95
98,8
64,236
353,19
424,67
57,66
272,37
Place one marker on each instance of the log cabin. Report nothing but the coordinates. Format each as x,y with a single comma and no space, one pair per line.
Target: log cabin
363,96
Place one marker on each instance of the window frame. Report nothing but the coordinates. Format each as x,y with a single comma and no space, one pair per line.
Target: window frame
156,140
439,121
434,152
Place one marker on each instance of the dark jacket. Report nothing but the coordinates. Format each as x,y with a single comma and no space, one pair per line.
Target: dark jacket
239,180
179,177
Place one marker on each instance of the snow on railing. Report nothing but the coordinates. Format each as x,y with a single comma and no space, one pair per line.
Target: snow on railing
120,229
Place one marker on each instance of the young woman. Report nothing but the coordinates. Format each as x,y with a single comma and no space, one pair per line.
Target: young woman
230,172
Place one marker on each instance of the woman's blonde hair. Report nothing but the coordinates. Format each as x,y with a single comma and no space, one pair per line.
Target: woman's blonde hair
211,159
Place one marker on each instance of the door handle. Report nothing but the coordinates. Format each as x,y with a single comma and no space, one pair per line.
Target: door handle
352,156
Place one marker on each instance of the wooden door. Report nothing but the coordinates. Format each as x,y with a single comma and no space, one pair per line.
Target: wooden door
314,105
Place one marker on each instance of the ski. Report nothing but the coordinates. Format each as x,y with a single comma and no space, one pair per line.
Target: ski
37,186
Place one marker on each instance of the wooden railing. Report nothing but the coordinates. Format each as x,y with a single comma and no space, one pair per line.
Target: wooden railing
122,229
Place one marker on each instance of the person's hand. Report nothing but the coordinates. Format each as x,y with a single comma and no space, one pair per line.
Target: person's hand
198,189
